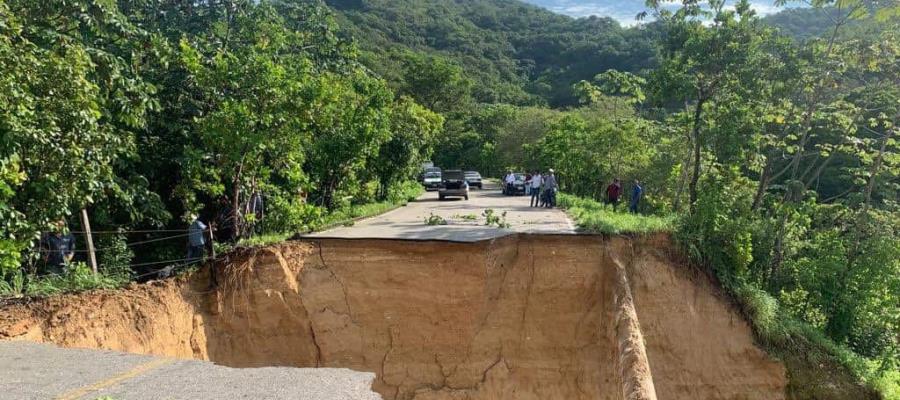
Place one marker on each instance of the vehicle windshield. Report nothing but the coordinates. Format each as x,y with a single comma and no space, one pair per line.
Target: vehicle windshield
453,175
520,177
432,175
473,175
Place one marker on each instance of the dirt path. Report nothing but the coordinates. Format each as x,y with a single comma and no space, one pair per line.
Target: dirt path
465,220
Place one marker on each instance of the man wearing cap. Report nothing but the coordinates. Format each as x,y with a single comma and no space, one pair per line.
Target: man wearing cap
551,186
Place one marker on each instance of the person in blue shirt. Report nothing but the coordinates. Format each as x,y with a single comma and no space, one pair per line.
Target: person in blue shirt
196,239
57,248
636,193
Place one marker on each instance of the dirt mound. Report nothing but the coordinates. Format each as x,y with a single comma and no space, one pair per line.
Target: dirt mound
524,317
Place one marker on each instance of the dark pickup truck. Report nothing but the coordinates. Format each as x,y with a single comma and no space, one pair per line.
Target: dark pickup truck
453,184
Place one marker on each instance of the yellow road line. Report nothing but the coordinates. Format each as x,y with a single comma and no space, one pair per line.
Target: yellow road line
136,371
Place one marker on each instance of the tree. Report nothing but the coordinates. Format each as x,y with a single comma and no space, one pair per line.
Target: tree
436,83
71,102
699,63
349,121
413,131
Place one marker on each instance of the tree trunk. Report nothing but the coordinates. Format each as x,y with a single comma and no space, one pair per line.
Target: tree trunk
698,147
683,178
236,203
763,184
876,167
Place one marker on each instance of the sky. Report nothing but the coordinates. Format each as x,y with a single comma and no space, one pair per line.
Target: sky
624,10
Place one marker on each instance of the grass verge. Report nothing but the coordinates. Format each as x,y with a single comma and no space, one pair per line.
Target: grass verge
593,216
80,278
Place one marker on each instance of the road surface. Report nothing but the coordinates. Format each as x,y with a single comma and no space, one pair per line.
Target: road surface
31,371
465,220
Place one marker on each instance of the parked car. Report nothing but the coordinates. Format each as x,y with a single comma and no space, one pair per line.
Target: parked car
518,186
473,178
432,180
453,185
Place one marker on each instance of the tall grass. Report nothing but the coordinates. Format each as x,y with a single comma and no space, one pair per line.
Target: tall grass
79,278
596,217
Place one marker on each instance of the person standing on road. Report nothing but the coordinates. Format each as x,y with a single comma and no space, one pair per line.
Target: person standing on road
551,186
196,239
528,178
58,248
636,193
536,181
510,181
613,191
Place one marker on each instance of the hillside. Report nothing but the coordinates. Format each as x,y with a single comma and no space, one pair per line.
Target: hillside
515,52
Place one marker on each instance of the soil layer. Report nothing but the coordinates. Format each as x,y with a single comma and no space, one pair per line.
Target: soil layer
520,317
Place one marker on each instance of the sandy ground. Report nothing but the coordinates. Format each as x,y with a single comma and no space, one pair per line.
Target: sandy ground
465,220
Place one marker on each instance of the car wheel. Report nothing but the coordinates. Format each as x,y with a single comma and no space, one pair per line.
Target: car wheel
441,197
467,197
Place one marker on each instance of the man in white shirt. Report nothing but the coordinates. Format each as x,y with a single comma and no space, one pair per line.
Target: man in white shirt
536,181
510,180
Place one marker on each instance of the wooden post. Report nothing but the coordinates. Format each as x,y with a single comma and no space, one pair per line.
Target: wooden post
212,244
213,280
89,240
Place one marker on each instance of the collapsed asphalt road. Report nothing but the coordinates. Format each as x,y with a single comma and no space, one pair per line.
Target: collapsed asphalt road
32,371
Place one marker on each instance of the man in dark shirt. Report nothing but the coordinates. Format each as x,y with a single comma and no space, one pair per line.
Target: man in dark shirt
613,191
636,193
58,248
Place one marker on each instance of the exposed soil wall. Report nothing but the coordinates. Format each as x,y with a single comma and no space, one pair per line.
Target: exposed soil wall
522,317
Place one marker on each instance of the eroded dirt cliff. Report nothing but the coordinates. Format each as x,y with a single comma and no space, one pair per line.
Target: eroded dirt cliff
521,317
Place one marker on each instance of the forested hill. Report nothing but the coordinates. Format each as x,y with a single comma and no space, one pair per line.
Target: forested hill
514,52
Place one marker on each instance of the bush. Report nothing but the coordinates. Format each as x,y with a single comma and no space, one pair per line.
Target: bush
114,257
404,192
291,215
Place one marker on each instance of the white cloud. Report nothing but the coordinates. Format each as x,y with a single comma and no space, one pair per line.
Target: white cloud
625,11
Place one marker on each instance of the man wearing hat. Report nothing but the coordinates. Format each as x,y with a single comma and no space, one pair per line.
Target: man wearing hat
551,186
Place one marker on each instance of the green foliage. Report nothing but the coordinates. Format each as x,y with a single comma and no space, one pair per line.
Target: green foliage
70,102
287,219
433,220
467,217
11,221
592,216
491,218
414,131
153,110
513,52
114,257
588,149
